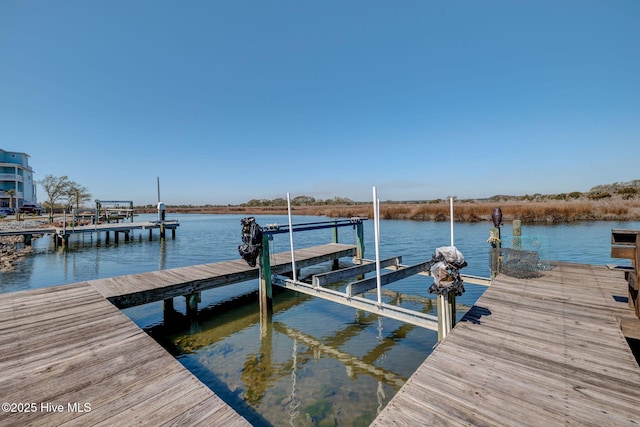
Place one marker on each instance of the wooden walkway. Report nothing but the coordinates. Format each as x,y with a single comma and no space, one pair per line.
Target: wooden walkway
91,228
531,352
137,289
69,357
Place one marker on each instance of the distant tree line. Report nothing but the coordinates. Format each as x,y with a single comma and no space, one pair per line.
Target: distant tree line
618,190
299,201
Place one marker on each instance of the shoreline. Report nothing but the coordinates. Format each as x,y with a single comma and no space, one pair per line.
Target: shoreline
528,212
12,248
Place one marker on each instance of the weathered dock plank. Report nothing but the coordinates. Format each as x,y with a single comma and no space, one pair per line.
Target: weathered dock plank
142,288
72,358
531,352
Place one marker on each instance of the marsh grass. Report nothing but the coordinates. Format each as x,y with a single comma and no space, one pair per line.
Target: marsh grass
528,212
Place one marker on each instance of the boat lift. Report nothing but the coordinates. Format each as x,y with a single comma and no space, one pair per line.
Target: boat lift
354,293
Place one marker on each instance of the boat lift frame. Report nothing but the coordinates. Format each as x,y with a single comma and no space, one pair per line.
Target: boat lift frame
350,297
354,294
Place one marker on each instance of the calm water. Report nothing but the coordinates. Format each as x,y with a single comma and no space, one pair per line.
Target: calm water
316,363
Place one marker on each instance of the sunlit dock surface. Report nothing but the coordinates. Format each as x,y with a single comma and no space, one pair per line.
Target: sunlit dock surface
136,289
542,351
531,352
69,357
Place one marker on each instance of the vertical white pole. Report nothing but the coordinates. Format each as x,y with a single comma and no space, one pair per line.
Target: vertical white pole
451,216
293,258
445,316
376,234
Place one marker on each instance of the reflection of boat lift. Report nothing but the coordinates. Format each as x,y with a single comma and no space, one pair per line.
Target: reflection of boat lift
294,403
329,346
352,363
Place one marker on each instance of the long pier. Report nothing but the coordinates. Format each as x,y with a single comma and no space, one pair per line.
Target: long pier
136,289
531,352
62,233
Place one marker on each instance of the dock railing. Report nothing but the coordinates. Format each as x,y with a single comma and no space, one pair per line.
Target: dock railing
625,244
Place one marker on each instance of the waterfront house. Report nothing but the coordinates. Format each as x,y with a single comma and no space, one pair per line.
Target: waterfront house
17,186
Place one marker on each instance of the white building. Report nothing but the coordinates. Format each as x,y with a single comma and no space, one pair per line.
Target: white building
16,175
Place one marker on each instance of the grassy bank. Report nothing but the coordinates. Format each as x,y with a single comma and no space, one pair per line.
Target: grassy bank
528,212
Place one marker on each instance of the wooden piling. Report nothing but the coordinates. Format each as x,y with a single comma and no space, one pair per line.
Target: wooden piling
334,239
446,314
360,240
192,303
494,251
266,295
517,234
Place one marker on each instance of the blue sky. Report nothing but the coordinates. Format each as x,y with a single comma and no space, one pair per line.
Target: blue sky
228,101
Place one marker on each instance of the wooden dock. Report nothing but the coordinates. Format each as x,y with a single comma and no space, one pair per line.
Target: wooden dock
547,351
68,356
62,234
530,352
136,289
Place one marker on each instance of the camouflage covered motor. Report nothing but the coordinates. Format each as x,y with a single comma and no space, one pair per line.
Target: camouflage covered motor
445,269
251,246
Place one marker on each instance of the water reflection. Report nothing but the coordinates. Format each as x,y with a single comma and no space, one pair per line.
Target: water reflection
287,372
294,403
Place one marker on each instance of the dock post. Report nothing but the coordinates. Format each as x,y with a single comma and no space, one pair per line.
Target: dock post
162,231
64,241
106,237
266,295
173,233
495,241
168,310
27,239
360,240
334,239
517,234
150,234
446,314
126,236
192,303
494,251
116,237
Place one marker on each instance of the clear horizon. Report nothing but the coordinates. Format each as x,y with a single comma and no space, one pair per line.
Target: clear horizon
228,102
